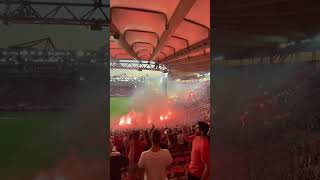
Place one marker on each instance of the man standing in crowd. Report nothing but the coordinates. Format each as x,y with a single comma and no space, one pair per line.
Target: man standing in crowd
200,155
135,148
180,140
117,161
155,161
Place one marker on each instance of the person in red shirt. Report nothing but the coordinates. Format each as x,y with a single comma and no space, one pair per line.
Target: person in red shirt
200,154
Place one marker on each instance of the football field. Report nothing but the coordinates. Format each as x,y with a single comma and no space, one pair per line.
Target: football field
30,141
119,106
33,141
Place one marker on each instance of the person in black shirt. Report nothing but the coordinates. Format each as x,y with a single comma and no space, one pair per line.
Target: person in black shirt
117,162
147,140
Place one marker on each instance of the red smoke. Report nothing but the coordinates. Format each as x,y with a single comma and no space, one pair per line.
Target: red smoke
159,112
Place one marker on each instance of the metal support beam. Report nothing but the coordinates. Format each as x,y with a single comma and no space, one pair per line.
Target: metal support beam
123,42
28,12
203,65
193,48
135,66
193,60
193,69
178,16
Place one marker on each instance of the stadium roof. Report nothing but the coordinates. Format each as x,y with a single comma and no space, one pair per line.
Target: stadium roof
247,28
171,32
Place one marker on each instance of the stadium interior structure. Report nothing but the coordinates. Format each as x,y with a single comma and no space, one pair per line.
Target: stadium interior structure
173,34
39,61
171,37
274,133
52,56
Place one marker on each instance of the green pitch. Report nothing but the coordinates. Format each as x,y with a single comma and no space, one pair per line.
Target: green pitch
33,141
30,141
119,106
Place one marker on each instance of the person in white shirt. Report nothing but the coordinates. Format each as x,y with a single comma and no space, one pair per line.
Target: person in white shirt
155,161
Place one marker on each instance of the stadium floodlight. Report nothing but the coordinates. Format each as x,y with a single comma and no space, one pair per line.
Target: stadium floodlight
283,45
80,53
219,58
292,43
23,52
306,41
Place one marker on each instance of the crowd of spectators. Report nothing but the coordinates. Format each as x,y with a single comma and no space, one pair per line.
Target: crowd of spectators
121,90
174,138
197,103
289,117
131,144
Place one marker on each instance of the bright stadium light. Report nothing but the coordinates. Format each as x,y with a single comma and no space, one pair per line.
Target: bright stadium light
80,53
219,58
23,52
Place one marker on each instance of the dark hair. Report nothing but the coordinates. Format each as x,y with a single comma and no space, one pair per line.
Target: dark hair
135,135
204,127
156,136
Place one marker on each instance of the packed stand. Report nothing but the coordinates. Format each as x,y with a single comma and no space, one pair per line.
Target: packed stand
289,117
197,103
174,147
